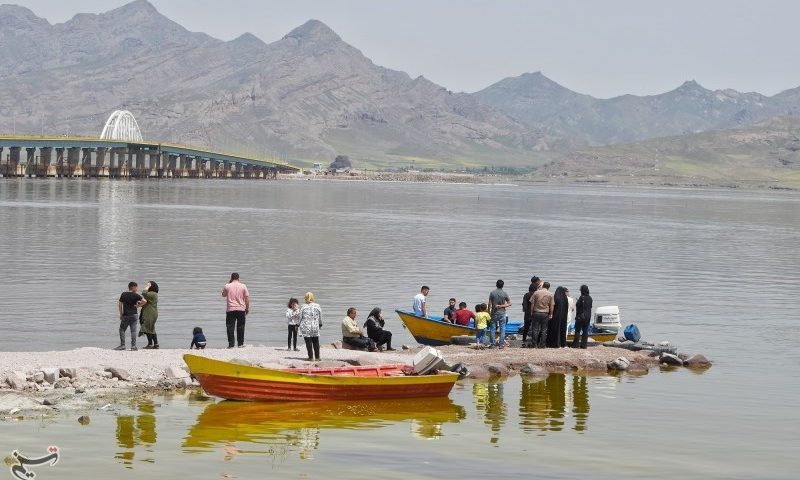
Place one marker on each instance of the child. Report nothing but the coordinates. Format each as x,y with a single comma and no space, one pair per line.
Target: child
198,339
293,320
482,319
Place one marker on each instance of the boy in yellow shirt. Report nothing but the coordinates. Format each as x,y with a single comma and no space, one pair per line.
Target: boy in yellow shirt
482,319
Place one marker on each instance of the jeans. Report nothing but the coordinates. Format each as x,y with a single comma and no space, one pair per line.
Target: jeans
526,327
582,331
125,322
539,330
235,321
292,336
312,346
498,321
480,336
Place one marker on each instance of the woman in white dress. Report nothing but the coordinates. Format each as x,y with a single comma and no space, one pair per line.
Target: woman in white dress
310,323
570,312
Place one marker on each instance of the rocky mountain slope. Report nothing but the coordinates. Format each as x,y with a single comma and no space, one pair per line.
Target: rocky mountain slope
690,108
308,95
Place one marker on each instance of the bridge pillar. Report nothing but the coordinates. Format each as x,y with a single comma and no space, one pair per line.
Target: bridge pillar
183,165
100,161
59,162
86,162
73,156
29,168
139,170
3,165
170,169
45,158
13,161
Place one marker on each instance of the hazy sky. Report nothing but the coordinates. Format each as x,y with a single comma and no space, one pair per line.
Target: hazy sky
604,48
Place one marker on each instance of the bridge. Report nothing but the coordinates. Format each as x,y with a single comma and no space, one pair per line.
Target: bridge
121,152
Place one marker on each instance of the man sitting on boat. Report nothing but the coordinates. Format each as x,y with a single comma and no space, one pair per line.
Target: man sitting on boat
352,336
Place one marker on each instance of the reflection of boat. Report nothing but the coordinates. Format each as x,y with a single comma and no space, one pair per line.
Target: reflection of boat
241,382
435,331
226,422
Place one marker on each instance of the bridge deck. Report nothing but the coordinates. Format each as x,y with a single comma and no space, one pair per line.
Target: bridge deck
32,141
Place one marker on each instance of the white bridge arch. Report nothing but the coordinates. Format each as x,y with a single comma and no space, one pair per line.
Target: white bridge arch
121,126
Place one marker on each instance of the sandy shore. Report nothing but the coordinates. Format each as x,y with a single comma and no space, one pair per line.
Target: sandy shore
86,377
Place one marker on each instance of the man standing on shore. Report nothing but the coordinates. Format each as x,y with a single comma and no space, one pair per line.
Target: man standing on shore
542,310
420,300
498,302
129,303
238,307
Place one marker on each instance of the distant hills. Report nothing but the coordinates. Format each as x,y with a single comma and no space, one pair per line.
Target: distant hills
310,96
535,99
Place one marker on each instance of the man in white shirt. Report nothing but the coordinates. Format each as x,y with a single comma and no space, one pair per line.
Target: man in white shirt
420,299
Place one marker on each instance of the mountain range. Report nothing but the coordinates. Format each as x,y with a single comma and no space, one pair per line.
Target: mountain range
310,96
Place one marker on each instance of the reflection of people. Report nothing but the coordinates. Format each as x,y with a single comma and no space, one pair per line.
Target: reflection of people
375,330
354,336
310,323
488,398
237,308
150,314
420,308
542,404
580,402
128,306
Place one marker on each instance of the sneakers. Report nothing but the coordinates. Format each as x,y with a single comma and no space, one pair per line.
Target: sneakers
390,349
121,347
148,347
296,349
155,347
133,348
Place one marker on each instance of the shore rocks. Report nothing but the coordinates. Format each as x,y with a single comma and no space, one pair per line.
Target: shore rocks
50,375
176,373
119,373
497,369
84,420
670,359
619,364
17,380
68,372
478,372
530,369
697,361
405,347
37,377
62,383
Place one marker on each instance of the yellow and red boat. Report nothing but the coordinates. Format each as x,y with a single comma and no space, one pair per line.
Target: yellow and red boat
435,331
234,381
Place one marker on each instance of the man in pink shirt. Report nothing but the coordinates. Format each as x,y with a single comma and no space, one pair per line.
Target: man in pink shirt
238,300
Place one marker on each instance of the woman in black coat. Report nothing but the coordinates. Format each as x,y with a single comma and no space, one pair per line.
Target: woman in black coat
583,316
557,327
375,331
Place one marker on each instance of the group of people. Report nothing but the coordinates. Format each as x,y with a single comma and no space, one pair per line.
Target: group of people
140,312
306,321
546,315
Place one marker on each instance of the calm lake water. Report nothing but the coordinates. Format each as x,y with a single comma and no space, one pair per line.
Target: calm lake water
715,272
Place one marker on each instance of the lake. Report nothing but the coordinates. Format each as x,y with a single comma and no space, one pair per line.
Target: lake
712,271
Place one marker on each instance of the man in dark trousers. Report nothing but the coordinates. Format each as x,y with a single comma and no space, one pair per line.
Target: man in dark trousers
128,306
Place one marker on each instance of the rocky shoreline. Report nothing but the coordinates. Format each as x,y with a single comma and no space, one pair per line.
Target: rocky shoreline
86,378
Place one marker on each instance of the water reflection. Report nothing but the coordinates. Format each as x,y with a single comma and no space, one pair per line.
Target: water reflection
298,426
543,403
489,402
134,431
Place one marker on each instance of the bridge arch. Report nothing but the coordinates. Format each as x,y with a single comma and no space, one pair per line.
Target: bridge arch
121,125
